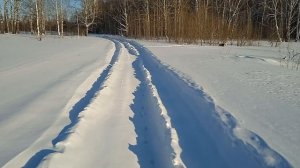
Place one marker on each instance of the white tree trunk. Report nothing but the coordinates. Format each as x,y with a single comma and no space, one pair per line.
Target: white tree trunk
165,13
1,22
38,20
89,14
77,20
43,17
290,16
18,16
57,17
62,18
298,23
275,8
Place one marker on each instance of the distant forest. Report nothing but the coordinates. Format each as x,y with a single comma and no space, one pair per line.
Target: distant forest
210,21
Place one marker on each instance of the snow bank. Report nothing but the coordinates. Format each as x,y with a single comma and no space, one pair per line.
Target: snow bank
249,83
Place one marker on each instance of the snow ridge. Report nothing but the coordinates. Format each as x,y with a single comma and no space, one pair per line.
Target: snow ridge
74,114
208,135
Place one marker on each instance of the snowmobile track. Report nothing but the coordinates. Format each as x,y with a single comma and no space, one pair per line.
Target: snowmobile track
208,136
35,160
175,122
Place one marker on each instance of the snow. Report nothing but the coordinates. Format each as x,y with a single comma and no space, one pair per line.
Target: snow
250,83
103,124
38,79
108,101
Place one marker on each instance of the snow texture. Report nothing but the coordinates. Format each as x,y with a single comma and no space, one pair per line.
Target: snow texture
249,82
133,109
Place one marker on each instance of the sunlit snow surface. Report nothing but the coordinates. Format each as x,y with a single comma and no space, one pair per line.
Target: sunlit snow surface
249,82
107,101
37,83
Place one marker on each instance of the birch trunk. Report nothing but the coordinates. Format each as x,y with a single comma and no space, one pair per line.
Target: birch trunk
62,18
1,23
38,20
298,23
6,17
275,13
57,17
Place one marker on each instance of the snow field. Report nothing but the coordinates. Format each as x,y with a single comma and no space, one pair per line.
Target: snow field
263,96
38,89
140,112
206,132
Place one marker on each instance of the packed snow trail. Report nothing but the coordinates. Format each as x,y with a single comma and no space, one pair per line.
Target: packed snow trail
100,123
103,133
155,142
208,135
140,113
75,112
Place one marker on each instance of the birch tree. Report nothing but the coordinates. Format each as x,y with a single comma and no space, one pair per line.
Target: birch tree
1,21
274,14
298,23
291,13
57,13
16,16
6,17
30,8
38,18
88,14
165,15
208,21
147,11
61,19
121,17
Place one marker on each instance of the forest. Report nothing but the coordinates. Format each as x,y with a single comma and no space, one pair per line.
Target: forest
188,21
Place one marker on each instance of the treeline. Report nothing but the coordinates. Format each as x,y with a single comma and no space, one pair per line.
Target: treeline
211,21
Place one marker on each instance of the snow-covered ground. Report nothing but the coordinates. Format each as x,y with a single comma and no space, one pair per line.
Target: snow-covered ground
112,102
250,83
37,83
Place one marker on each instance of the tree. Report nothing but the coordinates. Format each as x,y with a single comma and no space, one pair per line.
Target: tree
29,12
6,17
1,21
16,16
57,11
298,23
88,14
291,13
147,12
207,21
38,18
61,18
274,8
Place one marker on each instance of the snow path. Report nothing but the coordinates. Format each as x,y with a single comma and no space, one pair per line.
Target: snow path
107,111
140,113
97,113
208,135
157,142
104,128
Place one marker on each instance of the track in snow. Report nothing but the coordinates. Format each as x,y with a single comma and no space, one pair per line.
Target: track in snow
35,160
175,123
208,136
